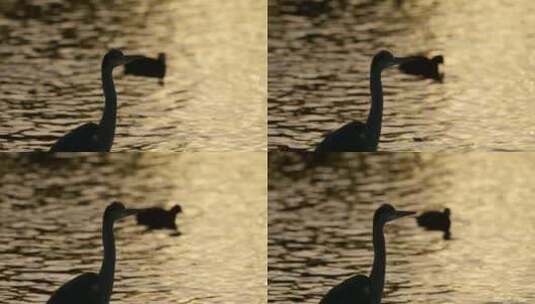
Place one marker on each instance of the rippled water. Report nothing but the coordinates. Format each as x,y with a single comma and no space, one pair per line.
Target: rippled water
50,217
320,226
319,57
215,88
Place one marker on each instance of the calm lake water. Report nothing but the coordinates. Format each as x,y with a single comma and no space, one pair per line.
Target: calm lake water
214,93
320,53
320,226
51,214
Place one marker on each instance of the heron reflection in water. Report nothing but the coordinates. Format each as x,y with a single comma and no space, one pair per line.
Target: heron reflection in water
95,288
91,137
364,137
362,289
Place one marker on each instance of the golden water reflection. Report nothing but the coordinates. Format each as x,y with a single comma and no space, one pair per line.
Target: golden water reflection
319,227
319,72
214,92
51,210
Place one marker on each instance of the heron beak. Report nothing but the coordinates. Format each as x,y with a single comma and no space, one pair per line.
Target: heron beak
403,213
128,212
401,60
128,59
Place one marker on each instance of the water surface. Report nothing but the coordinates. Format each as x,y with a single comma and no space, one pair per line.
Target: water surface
320,226
214,92
51,214
320,53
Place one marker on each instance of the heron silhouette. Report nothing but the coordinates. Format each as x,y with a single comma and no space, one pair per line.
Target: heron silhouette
361,289
423,66
364,137
91,137
95,288
436,220
158,218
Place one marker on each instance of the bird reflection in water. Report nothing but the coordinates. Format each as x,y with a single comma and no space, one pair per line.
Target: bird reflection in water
91,137
436,220
158,218
96,288
362,289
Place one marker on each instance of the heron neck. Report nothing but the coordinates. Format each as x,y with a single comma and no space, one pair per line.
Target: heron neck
107,270
377,276
375,117
109,116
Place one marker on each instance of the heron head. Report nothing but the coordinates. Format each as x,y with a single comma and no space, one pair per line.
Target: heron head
176,209
115,58
117,210
385,59
387,213
447,212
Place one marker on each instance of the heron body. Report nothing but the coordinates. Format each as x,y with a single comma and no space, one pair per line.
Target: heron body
423,66
83,289
360,289
146,66
356,288
363,137
91,137
353,136
158,218
93,288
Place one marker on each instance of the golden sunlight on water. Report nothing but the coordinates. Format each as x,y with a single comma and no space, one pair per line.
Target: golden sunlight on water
213,97
51,211
319,59
320,226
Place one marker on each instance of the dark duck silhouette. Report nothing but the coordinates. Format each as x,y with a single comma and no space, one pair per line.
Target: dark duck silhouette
436,220
158,218
423,66
147,67
361,289
91,137
364,137
95,288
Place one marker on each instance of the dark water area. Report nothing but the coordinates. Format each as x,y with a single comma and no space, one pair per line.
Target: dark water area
320,221
320,53
214,92
51,215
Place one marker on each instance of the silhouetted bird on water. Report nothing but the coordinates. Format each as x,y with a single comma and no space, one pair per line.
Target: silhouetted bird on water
361,137
436,220
91,137
95,288
423,66
158,218
361,289
148,67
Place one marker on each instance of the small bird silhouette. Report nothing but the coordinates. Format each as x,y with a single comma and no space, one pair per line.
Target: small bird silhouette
436,220
148,67
158,218
423,66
